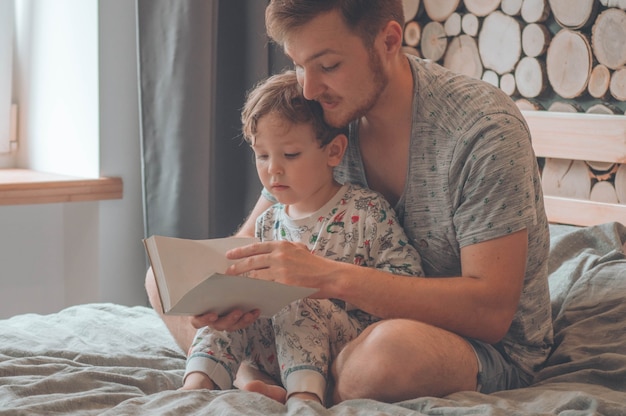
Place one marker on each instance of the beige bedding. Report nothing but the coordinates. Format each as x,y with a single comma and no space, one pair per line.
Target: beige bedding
107,359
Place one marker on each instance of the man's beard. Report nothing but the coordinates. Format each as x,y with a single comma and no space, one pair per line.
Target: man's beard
379,83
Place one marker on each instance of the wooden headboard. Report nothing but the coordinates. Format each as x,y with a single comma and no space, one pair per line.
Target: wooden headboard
585,137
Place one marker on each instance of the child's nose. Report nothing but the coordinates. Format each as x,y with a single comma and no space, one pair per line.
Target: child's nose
275,168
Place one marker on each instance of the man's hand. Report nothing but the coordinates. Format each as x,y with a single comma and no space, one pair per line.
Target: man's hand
287,263
233,321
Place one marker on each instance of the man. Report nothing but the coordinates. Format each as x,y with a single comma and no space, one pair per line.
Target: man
454,158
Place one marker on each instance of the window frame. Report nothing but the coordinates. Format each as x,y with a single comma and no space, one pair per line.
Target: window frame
7,42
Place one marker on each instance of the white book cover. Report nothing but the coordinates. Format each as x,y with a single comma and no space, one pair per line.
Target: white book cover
191,281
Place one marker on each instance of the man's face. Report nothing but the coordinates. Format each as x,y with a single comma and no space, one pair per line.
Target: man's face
335,69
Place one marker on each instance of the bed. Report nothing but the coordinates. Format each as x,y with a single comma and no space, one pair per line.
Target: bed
109,359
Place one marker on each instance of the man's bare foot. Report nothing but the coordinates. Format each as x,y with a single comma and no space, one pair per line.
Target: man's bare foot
269,390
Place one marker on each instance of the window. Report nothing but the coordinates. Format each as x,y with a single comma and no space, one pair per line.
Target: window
50,50
7,17
56,85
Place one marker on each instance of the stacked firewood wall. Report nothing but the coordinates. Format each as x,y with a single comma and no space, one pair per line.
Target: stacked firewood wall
548,55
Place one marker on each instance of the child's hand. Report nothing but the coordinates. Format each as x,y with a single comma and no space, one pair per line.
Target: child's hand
197,381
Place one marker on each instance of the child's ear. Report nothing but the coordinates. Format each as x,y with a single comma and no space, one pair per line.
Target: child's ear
336,149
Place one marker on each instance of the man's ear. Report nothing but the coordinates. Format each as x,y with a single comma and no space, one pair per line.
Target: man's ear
336,149
392,34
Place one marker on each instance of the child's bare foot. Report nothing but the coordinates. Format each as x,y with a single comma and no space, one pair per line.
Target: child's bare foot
196,381
306,396
269,390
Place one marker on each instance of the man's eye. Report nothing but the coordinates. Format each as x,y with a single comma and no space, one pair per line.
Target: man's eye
330,68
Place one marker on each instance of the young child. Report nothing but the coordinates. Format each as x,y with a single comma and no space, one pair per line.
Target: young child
295,153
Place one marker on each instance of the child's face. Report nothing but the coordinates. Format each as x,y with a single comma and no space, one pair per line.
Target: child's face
292,165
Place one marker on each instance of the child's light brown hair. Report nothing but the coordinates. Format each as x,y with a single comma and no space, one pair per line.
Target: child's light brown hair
281,94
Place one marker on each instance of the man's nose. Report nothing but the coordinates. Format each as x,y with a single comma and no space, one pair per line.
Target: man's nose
311,85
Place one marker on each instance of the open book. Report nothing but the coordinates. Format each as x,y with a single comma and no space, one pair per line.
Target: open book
191,281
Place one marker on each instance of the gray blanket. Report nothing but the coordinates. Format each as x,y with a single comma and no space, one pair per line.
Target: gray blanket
106,359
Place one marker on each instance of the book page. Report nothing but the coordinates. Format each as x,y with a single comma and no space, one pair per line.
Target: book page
180,264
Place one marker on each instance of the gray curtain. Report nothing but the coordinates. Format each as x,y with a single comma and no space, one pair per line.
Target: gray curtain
197,58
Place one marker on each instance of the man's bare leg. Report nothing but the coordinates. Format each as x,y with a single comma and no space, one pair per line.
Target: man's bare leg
405,360
179,326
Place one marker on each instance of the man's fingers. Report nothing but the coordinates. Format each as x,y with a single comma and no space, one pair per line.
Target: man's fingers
204,320
249,250
233,321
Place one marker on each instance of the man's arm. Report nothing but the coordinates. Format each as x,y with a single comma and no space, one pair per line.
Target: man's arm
247,228
480,304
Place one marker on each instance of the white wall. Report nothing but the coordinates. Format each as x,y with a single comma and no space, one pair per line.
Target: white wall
77,89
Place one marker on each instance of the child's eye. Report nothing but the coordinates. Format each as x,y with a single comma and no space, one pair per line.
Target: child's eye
261,157
292,155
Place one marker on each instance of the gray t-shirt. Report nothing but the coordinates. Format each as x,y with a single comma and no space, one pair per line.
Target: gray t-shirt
472,177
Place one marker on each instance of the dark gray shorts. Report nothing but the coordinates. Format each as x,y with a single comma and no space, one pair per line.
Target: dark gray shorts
495,371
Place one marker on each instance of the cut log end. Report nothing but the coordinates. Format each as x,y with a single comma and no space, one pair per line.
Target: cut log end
617,86
500,42
462,57
599,81
530,76
568,63
412,33
573,14
608,38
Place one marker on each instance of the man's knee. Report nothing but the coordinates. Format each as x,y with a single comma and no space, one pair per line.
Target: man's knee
399,359
364,368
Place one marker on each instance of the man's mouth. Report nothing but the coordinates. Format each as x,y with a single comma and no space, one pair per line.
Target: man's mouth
328,103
